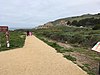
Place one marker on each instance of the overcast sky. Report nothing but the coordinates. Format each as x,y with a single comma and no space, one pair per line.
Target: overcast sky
31,13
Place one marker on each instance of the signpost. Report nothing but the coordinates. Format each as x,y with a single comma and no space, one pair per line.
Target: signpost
97,49
5,30
0,39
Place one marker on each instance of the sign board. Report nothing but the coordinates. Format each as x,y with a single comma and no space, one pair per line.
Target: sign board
3,28
96,47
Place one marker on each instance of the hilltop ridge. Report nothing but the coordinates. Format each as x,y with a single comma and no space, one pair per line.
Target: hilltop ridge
86,19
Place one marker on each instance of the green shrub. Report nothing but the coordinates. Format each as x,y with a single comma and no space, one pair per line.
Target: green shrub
17,39
70,57
84,37
96,27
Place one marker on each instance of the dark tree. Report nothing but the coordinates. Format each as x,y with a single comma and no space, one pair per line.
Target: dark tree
74,23
68,23
97,27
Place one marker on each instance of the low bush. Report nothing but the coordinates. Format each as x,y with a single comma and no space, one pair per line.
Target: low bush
70,57
96,27
84,37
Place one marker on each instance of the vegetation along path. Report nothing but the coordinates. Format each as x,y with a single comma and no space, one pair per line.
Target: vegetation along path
36,58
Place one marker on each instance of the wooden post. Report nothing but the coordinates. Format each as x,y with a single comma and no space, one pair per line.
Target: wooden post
0,39
7,39
99,68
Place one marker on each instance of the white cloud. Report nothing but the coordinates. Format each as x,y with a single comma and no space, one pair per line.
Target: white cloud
41,11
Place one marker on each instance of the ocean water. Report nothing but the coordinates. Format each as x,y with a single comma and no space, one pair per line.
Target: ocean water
12,28
18,28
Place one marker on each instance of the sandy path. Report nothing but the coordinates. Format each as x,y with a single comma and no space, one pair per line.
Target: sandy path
36,58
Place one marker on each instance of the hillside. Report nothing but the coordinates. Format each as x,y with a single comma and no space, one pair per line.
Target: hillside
83,20
96,16
81,41
81,17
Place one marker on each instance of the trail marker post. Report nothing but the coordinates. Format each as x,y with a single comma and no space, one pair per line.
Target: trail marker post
7,39
5,30
0,39
97,49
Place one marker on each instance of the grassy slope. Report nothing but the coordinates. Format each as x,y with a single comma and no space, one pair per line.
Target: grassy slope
80,52
76,36
76,18
17,40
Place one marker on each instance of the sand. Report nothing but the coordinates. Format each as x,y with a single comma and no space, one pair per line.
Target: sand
36,58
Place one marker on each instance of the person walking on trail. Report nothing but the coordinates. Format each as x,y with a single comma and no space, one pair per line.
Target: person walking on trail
27,33
30,33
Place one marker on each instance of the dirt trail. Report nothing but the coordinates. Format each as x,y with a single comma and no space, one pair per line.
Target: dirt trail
36,58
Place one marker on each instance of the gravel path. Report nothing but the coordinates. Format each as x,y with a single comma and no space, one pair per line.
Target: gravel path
36,58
